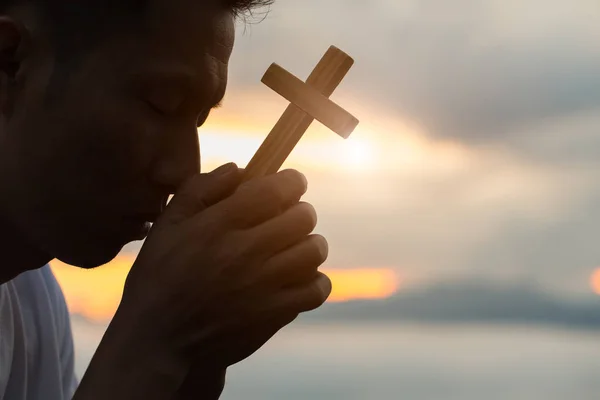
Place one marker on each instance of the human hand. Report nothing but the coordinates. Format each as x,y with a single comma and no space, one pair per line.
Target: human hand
226,266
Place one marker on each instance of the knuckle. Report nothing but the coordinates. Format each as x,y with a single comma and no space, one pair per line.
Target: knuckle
191,192
244,192
320,290
295,179
213,221
325,286
272,193
248,247
320,248
231,249
302,181
308,215
240,245
195,185
185,191
190,184
207,223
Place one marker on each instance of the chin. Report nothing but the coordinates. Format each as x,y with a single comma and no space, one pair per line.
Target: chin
77,245
90,257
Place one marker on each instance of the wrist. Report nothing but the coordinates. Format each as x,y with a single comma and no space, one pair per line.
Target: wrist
207,384
132,362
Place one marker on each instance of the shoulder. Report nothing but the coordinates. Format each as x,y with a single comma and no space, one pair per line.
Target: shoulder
42,303
36,345
39,291
47,326
55,293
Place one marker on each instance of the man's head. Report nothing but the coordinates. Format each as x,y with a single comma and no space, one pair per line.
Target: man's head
100,101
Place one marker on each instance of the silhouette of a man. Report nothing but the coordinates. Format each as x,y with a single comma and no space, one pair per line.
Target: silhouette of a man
100,101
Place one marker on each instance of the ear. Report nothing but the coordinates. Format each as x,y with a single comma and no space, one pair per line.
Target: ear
13,47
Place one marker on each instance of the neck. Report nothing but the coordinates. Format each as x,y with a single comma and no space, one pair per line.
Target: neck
18,253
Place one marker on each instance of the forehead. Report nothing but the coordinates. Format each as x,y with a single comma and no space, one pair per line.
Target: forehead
189,28
190,38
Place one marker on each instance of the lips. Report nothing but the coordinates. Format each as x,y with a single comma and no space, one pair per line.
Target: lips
147,217
136,227
151,214
137,224
143,231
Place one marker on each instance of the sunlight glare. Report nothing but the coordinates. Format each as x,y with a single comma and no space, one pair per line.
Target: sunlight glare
95,294
357,153
362,284
595,281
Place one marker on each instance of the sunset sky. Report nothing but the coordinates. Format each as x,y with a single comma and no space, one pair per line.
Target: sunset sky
477,154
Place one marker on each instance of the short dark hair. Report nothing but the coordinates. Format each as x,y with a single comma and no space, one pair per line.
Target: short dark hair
78,24
245,7
239,7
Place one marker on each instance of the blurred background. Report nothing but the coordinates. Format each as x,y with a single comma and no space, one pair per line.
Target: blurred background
463,214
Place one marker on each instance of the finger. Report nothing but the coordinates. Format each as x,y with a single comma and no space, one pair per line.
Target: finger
297,265
307,297
259,200
202,191
285,230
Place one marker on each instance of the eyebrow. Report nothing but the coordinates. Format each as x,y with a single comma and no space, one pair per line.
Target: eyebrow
190,81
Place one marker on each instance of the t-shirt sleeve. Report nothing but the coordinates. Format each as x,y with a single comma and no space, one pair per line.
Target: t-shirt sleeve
67,357
64,337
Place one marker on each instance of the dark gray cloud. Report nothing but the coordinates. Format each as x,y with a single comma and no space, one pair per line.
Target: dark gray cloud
468,301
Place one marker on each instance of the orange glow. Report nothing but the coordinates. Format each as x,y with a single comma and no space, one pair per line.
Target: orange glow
362,284
595,281
383,141
96,293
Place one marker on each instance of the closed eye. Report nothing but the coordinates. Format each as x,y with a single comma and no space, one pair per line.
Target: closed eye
177,93
204,115
163,99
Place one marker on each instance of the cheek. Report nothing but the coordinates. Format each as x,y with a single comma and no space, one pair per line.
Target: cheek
112,143
87,156
113,149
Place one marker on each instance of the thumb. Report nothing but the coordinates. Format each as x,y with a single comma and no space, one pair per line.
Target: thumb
200,192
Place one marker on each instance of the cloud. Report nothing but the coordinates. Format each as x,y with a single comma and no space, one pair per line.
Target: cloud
475,71
538,227
516,85
467,302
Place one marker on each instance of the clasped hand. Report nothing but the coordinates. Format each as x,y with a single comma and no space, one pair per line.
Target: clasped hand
225,267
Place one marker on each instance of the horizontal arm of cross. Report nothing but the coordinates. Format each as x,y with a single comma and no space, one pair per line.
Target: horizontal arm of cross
310,100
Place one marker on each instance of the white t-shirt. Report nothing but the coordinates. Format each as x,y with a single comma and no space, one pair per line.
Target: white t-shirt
36,346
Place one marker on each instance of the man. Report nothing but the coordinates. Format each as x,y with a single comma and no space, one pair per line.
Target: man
100,101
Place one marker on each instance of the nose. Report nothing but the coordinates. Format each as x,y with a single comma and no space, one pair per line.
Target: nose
178,159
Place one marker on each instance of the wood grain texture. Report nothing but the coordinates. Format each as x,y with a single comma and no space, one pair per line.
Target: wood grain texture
310,100
290,128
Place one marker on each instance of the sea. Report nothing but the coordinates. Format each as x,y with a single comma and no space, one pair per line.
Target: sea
391,360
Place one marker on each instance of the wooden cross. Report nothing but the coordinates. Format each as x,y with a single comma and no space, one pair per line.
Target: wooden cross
309,101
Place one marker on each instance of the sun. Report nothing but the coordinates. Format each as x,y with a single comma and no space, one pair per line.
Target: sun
357,153
595,281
